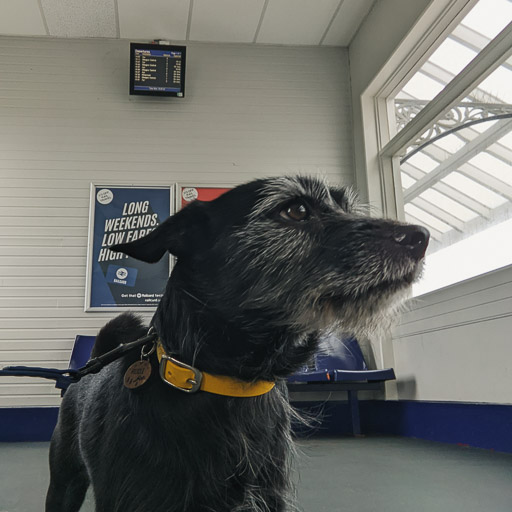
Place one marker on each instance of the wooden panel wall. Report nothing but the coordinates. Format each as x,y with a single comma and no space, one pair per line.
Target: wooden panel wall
66,120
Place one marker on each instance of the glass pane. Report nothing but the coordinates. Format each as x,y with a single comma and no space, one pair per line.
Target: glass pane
489,18
457,182
453,56
457,176
446,204
495,88
414,214
422,161
423,87
451,143
475,31
472,189
465,199
493,166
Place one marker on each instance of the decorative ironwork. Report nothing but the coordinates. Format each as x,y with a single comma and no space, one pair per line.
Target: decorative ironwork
458,116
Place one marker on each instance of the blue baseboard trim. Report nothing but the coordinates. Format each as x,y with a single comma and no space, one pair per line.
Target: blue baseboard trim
487,426
18,424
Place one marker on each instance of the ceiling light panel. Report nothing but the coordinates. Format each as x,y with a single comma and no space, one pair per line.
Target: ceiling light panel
80,18
158,19
231,21
296,21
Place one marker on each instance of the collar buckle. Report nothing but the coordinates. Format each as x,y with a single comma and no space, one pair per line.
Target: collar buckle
194,380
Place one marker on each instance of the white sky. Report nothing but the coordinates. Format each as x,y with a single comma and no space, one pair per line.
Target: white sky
480,253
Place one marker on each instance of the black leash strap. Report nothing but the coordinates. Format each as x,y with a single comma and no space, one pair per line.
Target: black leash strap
96,364
63,378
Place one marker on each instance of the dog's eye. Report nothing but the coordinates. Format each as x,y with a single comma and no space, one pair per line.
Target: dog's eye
295,211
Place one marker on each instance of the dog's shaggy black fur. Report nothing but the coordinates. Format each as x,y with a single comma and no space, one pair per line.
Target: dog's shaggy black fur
261,271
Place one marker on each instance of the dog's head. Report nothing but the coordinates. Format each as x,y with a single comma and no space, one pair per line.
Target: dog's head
290,251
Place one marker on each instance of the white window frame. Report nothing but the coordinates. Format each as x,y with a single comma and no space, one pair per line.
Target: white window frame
489,59
378,168
383,146
393,147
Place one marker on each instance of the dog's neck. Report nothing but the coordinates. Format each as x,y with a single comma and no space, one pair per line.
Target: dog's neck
193,330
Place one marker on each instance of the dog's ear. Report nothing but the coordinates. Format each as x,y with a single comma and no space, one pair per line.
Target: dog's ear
180,234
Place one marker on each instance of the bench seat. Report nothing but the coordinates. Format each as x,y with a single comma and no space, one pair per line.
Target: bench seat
339,365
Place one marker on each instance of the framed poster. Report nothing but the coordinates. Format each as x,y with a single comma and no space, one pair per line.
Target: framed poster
115,281
187,193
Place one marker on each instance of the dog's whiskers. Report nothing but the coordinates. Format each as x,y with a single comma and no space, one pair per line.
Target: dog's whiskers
193,297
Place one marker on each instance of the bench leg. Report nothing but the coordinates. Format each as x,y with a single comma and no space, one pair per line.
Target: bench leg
354,412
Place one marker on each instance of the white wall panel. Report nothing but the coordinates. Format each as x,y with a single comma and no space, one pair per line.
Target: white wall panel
455,344
66,119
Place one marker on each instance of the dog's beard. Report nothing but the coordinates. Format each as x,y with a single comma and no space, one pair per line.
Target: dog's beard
362,316
374,313
348,303
360,310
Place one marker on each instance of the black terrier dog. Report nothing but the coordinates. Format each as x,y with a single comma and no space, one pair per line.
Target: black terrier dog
204,423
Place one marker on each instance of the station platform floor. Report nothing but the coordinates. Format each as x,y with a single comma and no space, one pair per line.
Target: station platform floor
370,474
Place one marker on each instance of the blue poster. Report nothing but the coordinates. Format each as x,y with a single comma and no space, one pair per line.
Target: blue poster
123,215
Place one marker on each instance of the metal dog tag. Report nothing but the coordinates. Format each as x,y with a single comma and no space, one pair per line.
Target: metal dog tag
137,374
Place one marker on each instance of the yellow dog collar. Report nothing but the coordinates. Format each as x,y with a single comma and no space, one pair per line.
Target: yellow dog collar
189,379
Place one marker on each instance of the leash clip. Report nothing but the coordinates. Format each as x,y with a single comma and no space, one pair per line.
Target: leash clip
195,381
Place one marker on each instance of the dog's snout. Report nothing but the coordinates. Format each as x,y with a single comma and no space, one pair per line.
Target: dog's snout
414,238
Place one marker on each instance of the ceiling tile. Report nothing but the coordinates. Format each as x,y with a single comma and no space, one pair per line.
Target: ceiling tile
233,21
21,17
347,21
158,19
80,18
296,21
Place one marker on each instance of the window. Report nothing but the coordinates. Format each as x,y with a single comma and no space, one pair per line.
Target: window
455,178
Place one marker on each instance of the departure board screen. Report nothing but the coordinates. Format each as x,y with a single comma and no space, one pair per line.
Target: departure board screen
157,69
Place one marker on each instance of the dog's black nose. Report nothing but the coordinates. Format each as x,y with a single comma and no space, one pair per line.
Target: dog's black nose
415,238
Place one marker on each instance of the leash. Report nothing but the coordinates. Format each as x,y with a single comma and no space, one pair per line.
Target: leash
96,364
173,372
63,378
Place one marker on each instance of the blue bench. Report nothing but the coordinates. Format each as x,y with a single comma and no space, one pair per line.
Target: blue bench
339,365
81,351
